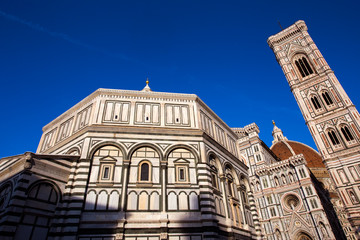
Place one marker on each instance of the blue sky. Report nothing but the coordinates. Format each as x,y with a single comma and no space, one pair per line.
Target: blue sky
55,53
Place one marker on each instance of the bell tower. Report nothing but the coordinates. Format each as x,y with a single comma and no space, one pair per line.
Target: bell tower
331,117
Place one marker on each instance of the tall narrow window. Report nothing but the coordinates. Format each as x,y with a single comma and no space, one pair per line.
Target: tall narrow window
243,195
307,65
347,134
106,172
265,183
315,102
291,177
230,188
334,139
214,178
327,98
302,172
276,181
181,173
273,212
144,172
304,67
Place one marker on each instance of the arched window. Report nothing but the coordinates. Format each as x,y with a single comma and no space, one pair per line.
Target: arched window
258,186
214,172
230,185
304,236
42,199
315,102
265,183
347,134
323,230
44,192
283,179
276,181
334,139
243,194
291,177
303,66
327,98
144,172
214,177
277,235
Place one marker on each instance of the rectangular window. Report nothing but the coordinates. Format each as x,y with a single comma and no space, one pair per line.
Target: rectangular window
214,180
272,212
106,172
230,188
182,174
265,183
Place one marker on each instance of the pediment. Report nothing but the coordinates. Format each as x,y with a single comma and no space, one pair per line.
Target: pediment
297,222
294,48
182,160
108,159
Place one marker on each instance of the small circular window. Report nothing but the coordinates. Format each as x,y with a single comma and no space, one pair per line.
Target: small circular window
291,202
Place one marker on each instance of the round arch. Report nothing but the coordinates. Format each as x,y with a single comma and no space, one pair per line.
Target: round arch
140,145
73,149
302,235
245,181
179,146
217,161
103,144
52,183
233,172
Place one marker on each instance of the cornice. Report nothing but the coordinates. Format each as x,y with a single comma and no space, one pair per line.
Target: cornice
122,94
281,165
287,33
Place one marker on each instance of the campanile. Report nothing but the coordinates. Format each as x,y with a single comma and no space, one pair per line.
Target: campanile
331,117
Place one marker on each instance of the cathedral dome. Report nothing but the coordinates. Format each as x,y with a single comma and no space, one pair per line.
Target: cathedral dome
286,148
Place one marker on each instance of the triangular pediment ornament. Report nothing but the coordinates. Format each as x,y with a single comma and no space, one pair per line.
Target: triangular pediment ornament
108,159
164,145
297,222
93,142
294,47
195,146
128,144
181,160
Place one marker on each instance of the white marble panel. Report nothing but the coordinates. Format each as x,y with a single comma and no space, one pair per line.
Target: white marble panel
172,201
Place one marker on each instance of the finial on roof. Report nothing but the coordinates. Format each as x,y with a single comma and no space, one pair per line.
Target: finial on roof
147,88
277,134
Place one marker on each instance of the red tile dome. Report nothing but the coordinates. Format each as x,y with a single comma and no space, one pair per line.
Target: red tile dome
285,149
